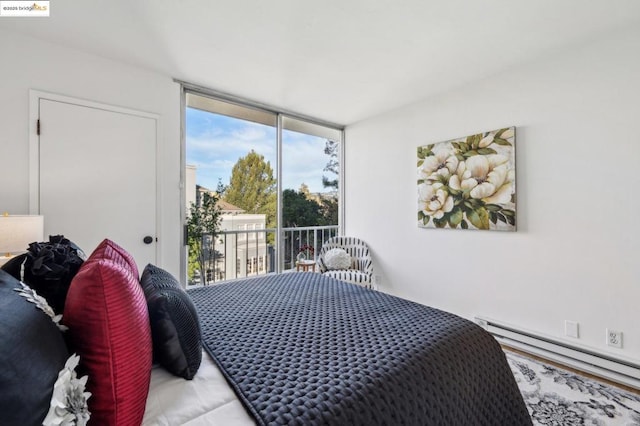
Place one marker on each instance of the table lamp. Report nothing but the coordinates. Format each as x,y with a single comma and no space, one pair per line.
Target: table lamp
17,232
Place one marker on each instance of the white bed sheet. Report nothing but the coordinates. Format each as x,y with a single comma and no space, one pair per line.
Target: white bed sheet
205,400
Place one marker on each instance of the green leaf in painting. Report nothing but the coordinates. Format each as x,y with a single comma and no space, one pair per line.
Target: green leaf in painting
493,217
470,153
474,140
486,151
464,224
511,220
508,212
439,223
455,218
474,203
484,217
501,141
473,217
493,207
420,215
420,162
424,152
460,157
479,218
501,217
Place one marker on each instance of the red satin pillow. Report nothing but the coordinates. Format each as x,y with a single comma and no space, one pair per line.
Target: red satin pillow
108,321
107,249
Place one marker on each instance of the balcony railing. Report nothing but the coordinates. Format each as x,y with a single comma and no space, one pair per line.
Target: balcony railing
239,254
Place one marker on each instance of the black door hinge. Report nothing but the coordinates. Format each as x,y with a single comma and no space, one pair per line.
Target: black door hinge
38,127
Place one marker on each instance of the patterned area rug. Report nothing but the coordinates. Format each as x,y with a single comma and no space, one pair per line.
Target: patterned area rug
558,397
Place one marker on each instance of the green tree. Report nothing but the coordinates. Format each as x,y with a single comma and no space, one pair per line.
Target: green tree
331,149
304,189
298,210
202,228
221,188
330,205
253,187
192,265
329,209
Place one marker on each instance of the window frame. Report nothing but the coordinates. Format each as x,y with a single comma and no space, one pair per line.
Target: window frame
258,113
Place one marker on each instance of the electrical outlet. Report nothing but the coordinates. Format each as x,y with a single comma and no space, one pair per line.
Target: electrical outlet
571,329
614,338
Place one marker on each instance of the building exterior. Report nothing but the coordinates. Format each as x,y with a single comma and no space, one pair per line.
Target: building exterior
241,247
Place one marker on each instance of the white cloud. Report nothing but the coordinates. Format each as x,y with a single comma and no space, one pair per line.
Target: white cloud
303,160
215,145
251,132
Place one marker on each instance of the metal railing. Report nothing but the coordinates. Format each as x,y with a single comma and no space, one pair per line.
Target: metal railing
240,253
313,236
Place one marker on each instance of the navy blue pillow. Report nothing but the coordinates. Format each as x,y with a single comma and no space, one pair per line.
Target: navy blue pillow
32,353
175,328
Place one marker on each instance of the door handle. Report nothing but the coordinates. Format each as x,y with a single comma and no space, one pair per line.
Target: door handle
148,239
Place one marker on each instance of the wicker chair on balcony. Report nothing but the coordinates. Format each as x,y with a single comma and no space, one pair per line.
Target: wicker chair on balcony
360,270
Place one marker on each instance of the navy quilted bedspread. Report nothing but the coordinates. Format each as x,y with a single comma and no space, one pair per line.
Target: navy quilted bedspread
303,349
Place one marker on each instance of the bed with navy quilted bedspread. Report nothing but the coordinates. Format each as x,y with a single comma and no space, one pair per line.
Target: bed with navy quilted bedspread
304,349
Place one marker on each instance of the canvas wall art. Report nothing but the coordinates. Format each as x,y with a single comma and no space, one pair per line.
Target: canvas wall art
469,182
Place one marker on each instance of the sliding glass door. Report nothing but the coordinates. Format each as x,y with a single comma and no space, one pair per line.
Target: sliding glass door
310,188
260,188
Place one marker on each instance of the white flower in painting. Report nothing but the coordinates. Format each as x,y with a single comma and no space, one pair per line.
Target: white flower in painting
486,141
443,163
461,173
433,200
488,177
507,134
69,400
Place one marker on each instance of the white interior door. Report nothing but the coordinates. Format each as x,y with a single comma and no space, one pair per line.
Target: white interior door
97,175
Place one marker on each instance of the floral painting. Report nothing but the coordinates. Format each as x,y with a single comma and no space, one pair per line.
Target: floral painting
469,183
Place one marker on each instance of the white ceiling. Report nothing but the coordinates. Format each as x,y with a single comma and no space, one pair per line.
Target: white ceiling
337,60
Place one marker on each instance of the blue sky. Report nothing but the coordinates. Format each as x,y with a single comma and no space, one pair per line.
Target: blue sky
216,142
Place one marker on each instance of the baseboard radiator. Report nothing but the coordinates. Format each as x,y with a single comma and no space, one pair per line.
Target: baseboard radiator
617,369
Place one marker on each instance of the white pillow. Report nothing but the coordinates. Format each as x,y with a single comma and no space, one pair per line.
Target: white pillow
337,258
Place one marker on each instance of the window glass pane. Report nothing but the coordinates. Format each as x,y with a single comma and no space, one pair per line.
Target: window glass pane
231,158
310,183
231,163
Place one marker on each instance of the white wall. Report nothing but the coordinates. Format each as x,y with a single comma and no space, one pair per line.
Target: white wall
28,63
576,253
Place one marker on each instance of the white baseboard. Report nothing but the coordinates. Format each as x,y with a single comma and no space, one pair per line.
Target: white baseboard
619,370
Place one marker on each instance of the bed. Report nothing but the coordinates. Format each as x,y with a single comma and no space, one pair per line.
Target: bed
302,348
296,348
